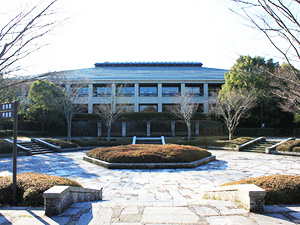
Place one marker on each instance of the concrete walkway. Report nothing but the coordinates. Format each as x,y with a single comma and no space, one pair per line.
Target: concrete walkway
155,196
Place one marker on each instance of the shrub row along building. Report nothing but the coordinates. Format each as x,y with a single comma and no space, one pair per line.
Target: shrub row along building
147,87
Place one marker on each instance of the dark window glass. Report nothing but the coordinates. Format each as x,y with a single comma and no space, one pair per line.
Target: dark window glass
148,108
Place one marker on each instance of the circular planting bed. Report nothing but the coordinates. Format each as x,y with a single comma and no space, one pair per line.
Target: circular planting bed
280,189
149,156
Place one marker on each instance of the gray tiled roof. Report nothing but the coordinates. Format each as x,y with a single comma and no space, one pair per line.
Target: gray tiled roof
148,73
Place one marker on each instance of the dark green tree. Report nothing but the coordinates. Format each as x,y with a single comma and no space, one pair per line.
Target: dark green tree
42,106
256,72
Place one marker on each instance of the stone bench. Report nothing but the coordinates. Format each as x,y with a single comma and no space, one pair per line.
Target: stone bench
249,196
58,198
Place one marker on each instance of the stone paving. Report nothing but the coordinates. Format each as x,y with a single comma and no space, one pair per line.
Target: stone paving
171,196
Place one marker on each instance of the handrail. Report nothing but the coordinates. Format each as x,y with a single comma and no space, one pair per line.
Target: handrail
238,148
20,146
57,148
134,140
163,141
268,149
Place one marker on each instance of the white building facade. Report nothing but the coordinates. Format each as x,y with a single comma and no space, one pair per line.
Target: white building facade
146,87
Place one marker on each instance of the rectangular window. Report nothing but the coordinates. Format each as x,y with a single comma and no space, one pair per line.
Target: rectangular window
83,91
148,90
101,90
169,107
170,89
194,89
125,90
126,107
148,107
213,89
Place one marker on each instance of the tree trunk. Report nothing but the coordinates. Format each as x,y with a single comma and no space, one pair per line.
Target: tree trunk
69,130
108,133
230,135
189,131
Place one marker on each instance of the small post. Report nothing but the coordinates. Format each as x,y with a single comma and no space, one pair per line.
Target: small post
148,128
15,113
99,129
123,128
173,128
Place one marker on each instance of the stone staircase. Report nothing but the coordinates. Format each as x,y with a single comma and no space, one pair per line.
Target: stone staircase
260,146
149,140
36,148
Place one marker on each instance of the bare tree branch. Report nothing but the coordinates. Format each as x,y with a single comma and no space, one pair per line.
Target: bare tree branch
233,105
19,35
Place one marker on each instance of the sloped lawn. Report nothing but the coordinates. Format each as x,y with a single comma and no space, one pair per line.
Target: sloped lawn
280,189
30,188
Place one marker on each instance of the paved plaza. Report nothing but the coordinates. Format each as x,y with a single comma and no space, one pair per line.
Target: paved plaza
171,196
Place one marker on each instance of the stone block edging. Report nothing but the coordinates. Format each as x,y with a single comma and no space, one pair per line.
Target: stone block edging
149,165
249,196
58,198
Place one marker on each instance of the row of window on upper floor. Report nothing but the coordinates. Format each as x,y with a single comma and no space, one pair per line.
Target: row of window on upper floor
150,90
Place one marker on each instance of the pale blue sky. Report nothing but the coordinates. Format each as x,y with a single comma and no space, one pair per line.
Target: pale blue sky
146,30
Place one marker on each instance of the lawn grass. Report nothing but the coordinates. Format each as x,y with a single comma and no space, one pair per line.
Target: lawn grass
289,146
217,141
144,153
61,143
280,189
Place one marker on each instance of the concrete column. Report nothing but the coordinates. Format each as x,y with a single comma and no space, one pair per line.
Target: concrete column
173,128
99,129
159,97
136,97
90,98
205,90
182,88
123,129
113,93
197,128
148,129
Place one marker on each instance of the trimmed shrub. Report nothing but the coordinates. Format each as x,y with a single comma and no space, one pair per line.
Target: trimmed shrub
102,142
30,188
5,147
280,189
289,146
61,143
144,153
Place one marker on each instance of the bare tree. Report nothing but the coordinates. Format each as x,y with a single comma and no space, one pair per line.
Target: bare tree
184,108
286,85
19,35
69,97
233,105
278,20
111,106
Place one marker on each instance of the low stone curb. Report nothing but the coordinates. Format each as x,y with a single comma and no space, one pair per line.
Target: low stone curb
58,198
149,165
284,153
249,196
10,155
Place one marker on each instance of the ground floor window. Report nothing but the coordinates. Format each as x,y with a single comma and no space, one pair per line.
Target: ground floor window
148,108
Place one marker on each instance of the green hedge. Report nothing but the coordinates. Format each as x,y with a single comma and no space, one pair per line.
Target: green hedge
269,132
101,142
217,141
139,116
